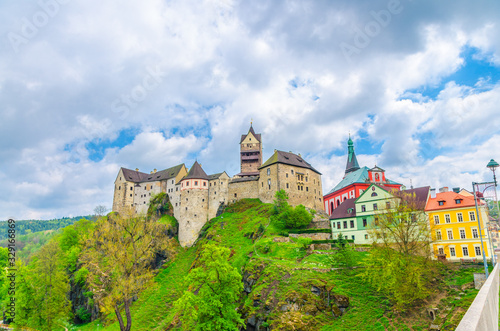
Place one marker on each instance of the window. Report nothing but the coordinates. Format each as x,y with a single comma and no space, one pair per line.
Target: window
458,201
331,206
204,183
388,204
291,171
366,236
130,194
269,183
345,224
352,224
375,207
472,216
440,250
286,185
465,251
377,177
447,218
352,237
306,178
268,171
363,208
460,217
478,250
376,220
307,189
441,203
462,233
286,175
119,187
195,183
450,234
374,194
438,235
172,181
364,222
436,219
338,225
131,188
474,233
452,251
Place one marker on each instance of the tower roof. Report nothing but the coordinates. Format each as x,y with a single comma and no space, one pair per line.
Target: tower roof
196,172
352,161
256,135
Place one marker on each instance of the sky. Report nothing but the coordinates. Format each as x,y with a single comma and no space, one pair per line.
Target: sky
87,87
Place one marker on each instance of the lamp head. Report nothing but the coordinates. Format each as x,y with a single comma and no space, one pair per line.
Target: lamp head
492,165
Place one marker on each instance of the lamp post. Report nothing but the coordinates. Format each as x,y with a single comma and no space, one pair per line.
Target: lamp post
479,227
492,165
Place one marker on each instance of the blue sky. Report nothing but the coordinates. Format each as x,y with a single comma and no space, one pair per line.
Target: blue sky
89,87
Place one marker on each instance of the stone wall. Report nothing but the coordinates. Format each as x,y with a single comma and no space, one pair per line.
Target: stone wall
193,214
238,189
302,185
218,190
483,312
313,236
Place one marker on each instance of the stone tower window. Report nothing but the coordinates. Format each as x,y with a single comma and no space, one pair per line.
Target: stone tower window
268,171
204,183
195,183
131,188
119,187
269,181
292,171
286,175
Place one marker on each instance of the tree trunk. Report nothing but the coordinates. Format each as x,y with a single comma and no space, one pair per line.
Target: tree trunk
119,317
127,313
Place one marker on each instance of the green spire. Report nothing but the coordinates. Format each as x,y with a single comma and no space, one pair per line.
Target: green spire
352,162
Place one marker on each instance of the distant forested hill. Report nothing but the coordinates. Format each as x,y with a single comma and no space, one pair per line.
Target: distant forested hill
30,226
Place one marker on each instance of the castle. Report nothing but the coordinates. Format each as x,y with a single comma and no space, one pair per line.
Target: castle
196,197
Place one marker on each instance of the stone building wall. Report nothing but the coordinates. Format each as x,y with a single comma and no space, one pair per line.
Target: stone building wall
252,145
193,214
217,192
302,185
239,189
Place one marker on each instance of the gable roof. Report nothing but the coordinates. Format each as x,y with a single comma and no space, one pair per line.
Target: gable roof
217,175
421,194
257,136
342,211
137,176
133,175
288,158
449,201
196,172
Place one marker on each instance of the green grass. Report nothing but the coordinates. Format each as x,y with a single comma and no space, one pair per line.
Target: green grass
283,275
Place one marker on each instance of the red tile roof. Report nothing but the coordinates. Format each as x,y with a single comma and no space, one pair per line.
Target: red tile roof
449,199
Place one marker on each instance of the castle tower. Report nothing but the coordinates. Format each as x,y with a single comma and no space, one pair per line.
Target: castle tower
193,213
250,153
352,162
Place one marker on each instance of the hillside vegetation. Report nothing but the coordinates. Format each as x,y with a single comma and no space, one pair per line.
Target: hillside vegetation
285,286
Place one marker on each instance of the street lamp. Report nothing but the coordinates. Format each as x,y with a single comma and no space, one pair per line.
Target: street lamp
492,165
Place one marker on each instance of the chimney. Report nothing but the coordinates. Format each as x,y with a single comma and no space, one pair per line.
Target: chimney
154,171
443,189
433,193
456,189
150,172
136,169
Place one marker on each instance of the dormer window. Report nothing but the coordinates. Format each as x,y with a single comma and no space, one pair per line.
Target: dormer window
458,201
441,202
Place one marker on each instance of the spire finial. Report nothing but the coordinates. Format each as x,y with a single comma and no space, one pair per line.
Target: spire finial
251,121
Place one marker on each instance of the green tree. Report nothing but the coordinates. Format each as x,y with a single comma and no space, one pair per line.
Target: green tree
42,287
399,264
344,254
287,216
281,202
118,256
211,299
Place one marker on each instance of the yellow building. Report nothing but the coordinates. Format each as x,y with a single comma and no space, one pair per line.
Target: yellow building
454,226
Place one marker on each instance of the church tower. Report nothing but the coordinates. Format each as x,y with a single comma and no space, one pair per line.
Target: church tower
352,162
250,153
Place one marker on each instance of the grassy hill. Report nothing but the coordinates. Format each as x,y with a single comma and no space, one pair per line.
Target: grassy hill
287,287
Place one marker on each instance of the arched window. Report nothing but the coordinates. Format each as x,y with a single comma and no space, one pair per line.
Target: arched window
338,202
377,177
268,171
331,207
